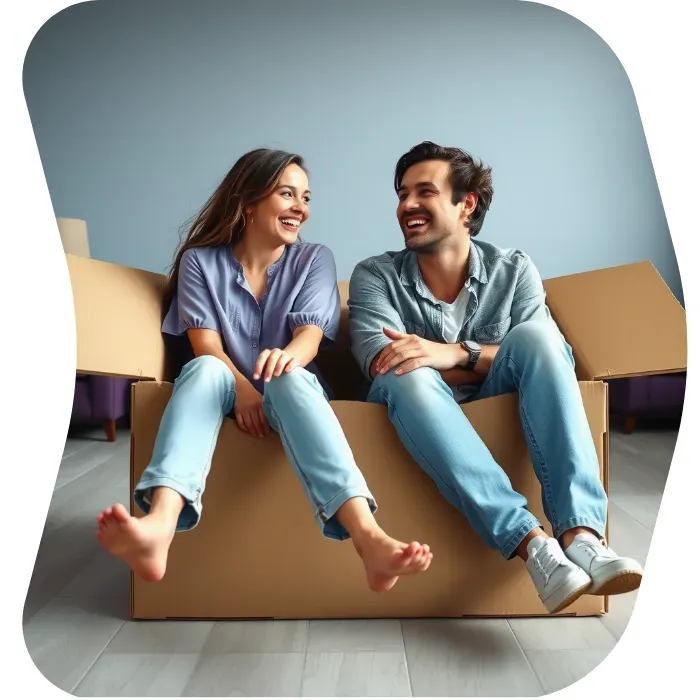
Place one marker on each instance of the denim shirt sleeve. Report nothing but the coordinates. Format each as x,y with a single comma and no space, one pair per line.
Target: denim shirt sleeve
529,297
318,301
370,311
195,305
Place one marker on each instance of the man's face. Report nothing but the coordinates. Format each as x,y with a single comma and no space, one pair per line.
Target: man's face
425,211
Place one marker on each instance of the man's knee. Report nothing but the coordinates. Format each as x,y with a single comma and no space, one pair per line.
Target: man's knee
417,384
539,339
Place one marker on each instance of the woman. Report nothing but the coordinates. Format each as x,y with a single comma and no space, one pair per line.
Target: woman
256,303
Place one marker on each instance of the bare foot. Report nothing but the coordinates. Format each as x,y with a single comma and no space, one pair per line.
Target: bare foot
386,559
142,543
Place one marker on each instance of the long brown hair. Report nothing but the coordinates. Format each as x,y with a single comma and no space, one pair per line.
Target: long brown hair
222,220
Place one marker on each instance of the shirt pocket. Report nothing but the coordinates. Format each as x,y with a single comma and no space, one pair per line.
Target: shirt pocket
233,313
492,334
414,328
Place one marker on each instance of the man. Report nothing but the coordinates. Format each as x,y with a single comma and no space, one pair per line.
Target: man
448,320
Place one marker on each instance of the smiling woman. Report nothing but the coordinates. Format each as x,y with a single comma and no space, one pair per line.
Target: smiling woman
256,303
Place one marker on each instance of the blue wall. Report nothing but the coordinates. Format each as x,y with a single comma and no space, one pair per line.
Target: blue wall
139,108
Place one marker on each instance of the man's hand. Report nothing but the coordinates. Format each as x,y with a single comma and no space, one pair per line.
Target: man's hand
409,352
249,411
459,377
271,363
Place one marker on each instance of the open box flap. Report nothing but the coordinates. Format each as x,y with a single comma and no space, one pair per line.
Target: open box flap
118,312
621,321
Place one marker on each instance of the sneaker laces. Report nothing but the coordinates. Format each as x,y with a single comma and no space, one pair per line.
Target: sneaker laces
547,561
598,548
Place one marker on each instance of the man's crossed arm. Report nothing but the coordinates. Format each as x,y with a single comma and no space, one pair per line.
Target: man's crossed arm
408,352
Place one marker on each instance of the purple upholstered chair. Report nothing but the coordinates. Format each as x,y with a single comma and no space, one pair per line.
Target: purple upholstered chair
97,399
661,394
101,400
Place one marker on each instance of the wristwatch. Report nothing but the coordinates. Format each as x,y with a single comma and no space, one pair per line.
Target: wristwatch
474,350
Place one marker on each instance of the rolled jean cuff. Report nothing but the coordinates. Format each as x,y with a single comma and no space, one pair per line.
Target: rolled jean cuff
597,527
326,515
191,511
508,552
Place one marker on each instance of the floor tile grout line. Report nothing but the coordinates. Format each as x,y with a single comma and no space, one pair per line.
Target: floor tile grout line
650,485
405,660
87,471
626,512
96,443
74,452
97,658
527,660
306,656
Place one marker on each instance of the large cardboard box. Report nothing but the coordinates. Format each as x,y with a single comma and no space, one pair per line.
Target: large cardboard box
257,552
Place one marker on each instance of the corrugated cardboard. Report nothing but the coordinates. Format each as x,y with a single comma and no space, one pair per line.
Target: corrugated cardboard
118,313
621,321
257,552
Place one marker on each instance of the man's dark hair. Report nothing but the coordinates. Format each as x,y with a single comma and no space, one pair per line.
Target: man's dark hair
467,174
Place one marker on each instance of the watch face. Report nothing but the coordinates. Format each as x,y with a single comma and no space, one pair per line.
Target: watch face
473,347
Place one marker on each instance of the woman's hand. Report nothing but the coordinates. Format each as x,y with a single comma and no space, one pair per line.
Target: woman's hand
249,411
271,363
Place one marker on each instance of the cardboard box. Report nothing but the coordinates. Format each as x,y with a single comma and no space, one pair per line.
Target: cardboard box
257,552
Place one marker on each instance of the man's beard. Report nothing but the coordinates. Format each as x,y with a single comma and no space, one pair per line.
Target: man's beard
430,244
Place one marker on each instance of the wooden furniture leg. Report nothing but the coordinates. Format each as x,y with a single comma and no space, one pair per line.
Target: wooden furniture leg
110,427
630,424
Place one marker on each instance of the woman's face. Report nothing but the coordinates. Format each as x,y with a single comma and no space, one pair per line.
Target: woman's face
279,217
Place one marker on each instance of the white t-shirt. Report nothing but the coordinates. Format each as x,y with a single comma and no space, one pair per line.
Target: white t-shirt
453,315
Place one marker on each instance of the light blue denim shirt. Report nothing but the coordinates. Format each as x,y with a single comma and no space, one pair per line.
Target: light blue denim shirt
388,290
212,292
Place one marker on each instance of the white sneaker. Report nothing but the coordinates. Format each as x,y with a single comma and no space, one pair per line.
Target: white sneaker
559,582
611,574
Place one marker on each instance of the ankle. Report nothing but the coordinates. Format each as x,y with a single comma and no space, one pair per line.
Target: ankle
365,534
567,538
521,549
356,516
166,505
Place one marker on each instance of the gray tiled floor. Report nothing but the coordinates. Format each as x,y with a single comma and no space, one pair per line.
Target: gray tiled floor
78,633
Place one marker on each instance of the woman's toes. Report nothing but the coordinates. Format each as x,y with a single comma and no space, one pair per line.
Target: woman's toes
120,513
413,548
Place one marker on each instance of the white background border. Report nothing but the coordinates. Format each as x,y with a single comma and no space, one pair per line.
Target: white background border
657,45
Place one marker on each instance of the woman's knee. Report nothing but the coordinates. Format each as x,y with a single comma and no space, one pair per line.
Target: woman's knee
208,370
296,381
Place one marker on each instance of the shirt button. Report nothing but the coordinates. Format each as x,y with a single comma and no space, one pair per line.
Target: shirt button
255,345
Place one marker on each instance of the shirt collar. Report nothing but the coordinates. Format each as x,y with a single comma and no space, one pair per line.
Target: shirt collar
411,275
270,270
475,266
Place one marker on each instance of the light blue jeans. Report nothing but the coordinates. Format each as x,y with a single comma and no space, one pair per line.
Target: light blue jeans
297,409
535,361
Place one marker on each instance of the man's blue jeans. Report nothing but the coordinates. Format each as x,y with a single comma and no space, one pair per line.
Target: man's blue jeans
536,362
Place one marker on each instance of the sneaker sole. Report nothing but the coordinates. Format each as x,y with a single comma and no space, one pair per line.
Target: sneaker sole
621,582
572,598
